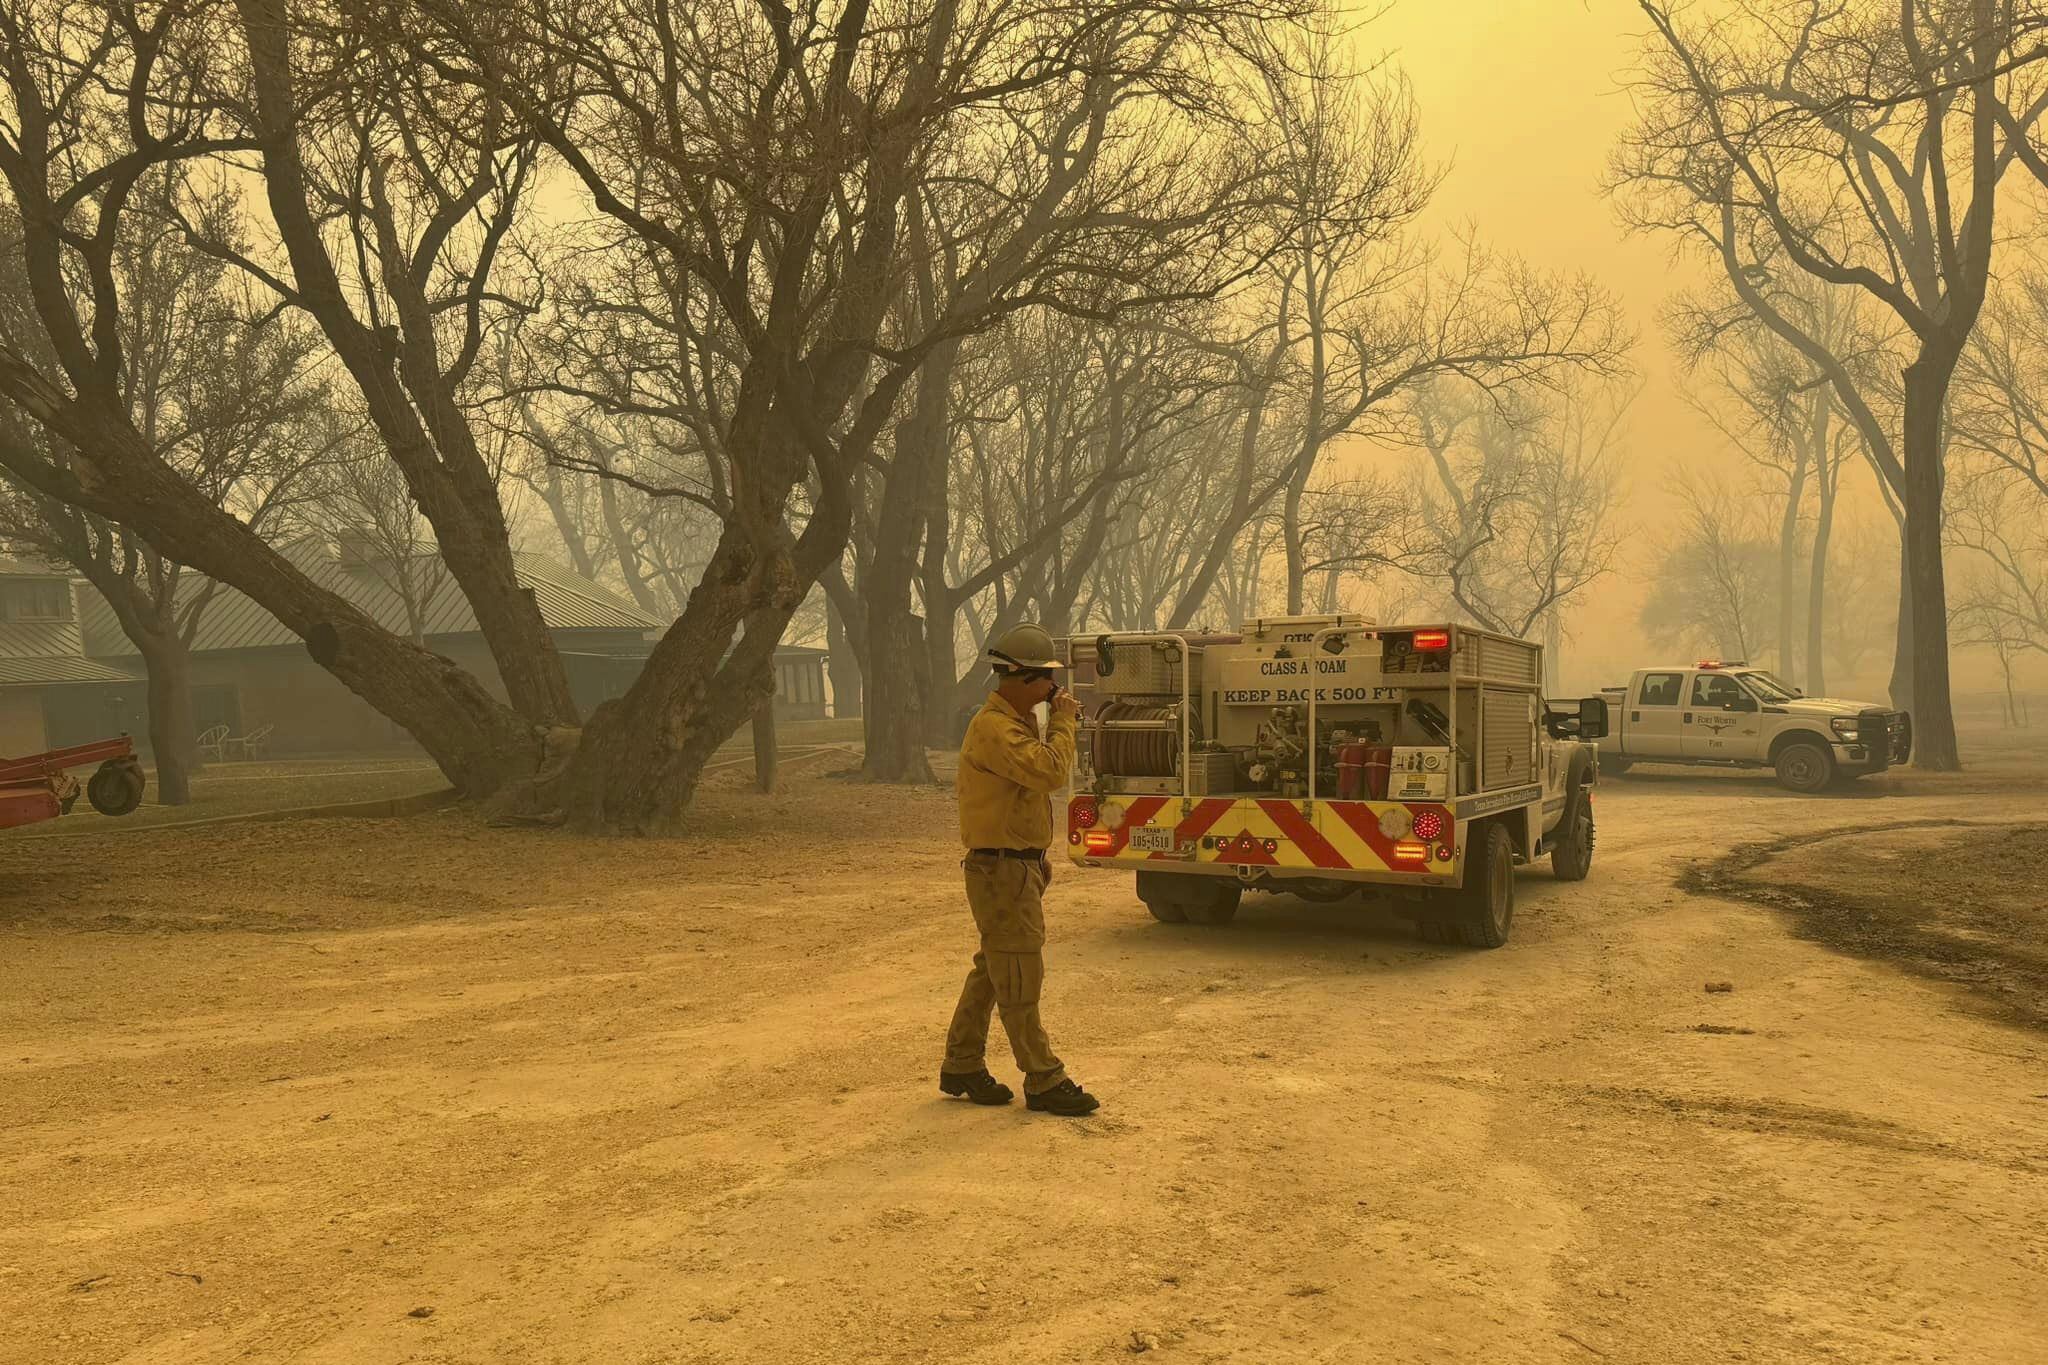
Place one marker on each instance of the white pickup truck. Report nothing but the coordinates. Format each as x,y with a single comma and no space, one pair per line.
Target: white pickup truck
1731,715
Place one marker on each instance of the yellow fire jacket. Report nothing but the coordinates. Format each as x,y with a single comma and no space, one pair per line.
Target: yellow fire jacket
1007,776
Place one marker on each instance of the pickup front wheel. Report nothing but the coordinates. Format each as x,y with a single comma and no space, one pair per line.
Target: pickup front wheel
1805,766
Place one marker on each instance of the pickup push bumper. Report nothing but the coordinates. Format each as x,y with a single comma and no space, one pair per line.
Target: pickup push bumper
1882,739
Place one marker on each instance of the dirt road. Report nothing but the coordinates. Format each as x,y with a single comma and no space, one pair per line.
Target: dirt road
427,1092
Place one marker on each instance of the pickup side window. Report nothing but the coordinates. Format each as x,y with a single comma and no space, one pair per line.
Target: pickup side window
1716,690
1660,689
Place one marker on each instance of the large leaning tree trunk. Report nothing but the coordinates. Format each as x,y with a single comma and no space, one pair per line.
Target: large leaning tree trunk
479,742
411,383
767,161
62,363
642,755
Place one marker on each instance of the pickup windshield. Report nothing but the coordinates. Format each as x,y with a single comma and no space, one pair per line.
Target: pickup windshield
1767,687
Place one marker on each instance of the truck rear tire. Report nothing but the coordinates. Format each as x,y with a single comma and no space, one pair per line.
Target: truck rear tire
1167,912
1805,766
1614,765
1180,899
1486,903
1219,906
1161,897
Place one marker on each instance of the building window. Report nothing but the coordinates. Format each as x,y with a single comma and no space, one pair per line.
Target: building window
35,599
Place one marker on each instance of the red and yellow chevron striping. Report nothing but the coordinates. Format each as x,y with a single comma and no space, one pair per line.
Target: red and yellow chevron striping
1337,837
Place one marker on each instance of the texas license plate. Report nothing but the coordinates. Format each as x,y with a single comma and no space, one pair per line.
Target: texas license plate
1153,839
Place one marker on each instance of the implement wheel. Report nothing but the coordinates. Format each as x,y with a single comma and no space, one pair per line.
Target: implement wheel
116,788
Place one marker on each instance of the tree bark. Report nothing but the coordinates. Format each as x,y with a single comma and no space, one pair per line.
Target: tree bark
901,694
642,755
1311,442
1817,584
1788,550
765,755
173,732
1900,689
1934,730
1246,506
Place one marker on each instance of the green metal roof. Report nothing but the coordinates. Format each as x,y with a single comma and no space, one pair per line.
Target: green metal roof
56,670
567,601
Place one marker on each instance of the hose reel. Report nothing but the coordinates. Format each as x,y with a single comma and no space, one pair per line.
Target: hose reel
1150,747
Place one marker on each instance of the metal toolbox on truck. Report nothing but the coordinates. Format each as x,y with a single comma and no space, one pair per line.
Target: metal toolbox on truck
1149,669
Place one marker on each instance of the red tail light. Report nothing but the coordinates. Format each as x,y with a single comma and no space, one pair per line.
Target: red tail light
1432,639
1428,824
1082,812
1412,853
1102,841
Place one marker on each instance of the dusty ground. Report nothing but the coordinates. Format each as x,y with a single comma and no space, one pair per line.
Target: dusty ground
352,1091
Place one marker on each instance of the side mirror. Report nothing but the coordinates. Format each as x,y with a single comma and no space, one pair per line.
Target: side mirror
1592,718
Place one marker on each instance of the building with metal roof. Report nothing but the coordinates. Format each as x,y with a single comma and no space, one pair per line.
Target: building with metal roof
68,673
46,679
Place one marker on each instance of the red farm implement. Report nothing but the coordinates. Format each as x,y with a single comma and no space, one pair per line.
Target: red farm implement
40,787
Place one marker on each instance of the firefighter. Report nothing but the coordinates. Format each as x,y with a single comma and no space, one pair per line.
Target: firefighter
1007,778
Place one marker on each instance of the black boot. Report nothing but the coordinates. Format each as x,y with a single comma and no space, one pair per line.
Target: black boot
1066,1099
978,1086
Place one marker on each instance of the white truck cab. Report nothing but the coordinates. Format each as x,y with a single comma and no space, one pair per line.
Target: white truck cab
1729,714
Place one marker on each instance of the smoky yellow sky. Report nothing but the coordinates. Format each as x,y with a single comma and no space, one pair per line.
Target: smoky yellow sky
1522,100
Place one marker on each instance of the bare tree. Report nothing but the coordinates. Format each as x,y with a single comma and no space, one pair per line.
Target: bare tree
1784,414
1998,526
360,500
1996,410
1766,123
774,159
101,99
1513,511
420,183
1710,590
223,395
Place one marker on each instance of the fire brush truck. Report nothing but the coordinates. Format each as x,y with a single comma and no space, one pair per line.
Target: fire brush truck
1326,756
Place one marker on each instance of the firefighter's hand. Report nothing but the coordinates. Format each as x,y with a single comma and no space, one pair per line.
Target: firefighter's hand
1064,704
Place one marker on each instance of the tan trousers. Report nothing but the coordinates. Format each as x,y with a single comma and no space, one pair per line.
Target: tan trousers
1005,895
